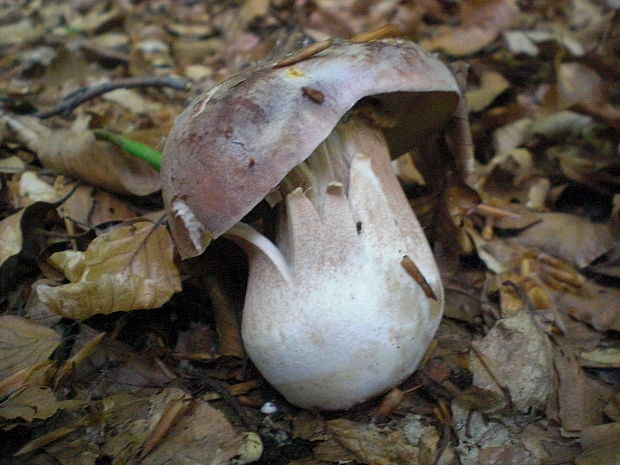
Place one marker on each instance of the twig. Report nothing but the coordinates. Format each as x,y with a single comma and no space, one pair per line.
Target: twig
219,388
73,100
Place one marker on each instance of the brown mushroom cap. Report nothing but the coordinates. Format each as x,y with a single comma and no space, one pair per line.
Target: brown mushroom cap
234,144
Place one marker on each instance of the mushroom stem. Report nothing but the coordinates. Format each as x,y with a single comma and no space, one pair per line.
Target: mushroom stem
349,322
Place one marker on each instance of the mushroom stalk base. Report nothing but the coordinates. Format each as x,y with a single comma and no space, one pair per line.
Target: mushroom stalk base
345,321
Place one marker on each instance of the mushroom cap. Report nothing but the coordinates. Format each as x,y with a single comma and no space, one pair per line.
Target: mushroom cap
235,143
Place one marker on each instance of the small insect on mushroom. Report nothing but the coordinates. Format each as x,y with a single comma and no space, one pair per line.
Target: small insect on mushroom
332,315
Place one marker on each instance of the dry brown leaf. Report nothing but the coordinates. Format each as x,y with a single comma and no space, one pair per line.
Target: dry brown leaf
612,409
597,305
201,435
173,411
526,42
518,355
21,242
492,85
129,268
580,399
132,101
372,445
568,237
516,164
75,152
481,22
512,135
30,403
10,236
483,438
94,19
68,367
36,310
24,343
11,164
601,445
331,451
601,358
581,88
28,188
20,32
91,207
38,374
44,440
506,455
229,333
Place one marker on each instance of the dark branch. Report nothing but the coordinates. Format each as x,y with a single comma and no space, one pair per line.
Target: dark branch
73,100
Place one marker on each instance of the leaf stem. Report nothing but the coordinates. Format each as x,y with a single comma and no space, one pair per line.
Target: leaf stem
132,147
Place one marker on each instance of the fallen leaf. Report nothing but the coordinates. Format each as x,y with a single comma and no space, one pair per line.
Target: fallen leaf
38,374
68,368
30,403
21,242
518,355
11,164
476,432
200,435
526,42
44,440
24,343
132,101
568,237
94,19
580,399
580,87
601,358
506,455
129,268
492,85
601,445
20,32
612,409
229,333
596,305
481,22
28,188
89,207
36,310
10,236
516,164
372,445
75,152
512,135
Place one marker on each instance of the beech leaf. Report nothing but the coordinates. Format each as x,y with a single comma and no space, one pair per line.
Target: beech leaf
75,152
24,343
129,268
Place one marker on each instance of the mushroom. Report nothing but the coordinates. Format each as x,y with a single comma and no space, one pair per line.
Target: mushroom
344,304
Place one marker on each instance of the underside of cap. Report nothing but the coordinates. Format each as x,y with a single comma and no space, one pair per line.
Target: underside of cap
234,144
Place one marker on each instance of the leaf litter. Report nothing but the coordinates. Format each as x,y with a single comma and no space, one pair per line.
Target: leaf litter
524,368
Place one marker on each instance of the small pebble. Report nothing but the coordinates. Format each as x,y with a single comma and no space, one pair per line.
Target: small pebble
269,407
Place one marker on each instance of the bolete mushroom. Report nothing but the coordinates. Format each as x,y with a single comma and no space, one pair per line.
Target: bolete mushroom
343,306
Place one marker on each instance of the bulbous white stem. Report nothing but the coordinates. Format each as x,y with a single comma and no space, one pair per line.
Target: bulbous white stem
342,320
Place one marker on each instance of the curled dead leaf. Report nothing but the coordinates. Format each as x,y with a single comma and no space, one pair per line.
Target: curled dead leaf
24,343
481,22
75,152
515,338
568,237
129,268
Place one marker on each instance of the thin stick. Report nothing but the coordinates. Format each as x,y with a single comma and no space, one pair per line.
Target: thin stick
379,33
304,53
75,99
